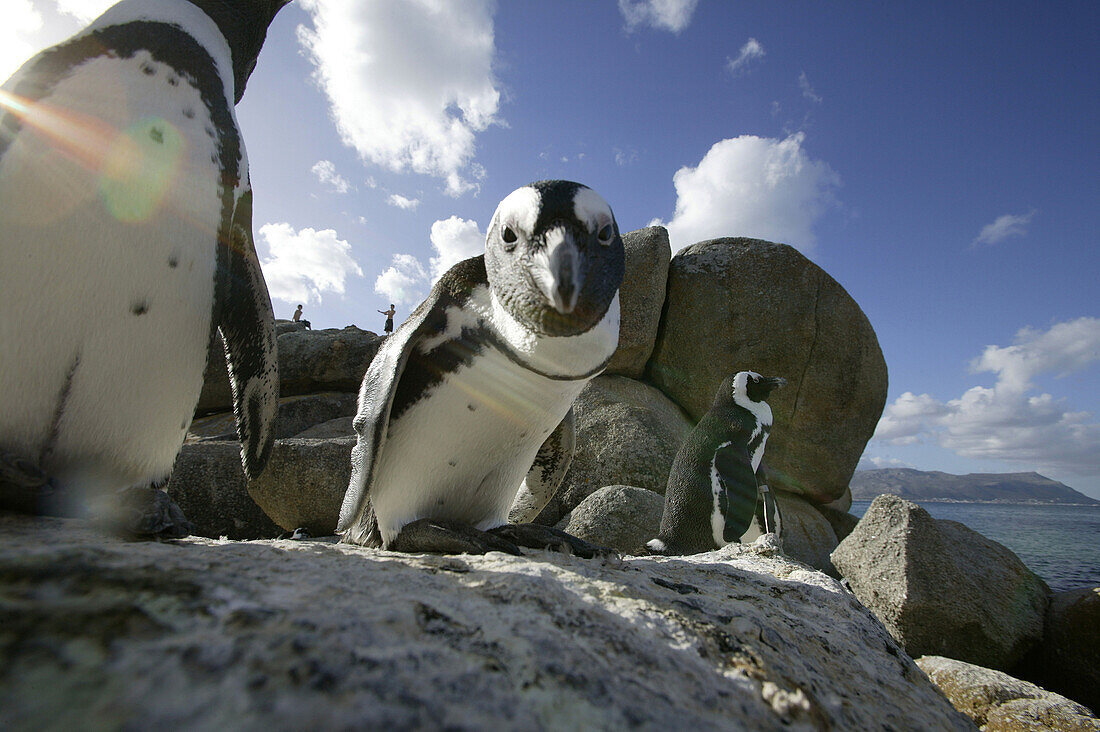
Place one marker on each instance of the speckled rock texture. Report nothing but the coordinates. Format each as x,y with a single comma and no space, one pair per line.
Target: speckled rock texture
941,588
208,485
628,433
302,487
1068,658
620,517
310,361
208,634
747,304
641,299
996,702
806,534
296,415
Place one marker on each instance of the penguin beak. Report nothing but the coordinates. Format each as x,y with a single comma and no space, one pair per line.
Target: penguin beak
775,382
557,270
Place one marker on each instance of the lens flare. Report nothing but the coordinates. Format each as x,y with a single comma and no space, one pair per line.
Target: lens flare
138,168
135,167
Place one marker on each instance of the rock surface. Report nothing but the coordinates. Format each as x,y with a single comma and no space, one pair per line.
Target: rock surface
996,702
296,415
1068,658
208,484
206,634
641,299
942,588
620,517
302,486
310,361
736,304
807,535
627,434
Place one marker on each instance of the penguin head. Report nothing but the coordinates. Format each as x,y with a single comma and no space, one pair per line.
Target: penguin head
554,257
746,388
244,24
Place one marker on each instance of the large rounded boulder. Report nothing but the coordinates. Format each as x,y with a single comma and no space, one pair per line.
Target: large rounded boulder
628,433
641,299
747,304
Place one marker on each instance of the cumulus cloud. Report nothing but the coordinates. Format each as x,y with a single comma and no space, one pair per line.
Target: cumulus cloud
453,240
870,462
84,11
325,171
406,204
670,15
409,82
752,186
403,282
21,19
1002,228
807,90
1012,421
407,280
301,265
751,51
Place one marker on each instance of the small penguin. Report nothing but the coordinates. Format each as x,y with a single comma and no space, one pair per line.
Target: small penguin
125,240
716,493
461,398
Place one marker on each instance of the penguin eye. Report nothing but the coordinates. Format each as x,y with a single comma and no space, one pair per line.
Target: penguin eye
605,234
509,236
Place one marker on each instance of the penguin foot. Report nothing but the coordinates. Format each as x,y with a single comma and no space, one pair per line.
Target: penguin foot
438,536
143,513
537,536
25,488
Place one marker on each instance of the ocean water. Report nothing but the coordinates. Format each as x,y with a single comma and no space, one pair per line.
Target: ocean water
1061,544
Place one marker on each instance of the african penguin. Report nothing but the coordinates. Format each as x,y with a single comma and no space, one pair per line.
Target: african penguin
125,239
713,495
459,400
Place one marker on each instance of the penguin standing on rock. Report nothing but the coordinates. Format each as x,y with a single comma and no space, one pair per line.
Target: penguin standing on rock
125,239
469,400
716,493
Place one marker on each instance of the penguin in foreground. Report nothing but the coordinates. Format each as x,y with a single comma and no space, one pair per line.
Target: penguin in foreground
716,493
459,400
125,239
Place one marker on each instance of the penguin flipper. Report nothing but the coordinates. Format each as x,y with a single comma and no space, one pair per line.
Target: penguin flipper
247,326
551,463
377,391
738,494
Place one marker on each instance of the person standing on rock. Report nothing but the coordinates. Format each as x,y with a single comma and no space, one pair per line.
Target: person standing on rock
388,327
298,318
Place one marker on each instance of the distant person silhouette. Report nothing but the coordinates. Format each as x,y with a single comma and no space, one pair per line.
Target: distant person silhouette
388,327
298,317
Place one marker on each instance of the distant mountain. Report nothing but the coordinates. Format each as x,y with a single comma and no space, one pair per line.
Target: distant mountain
920,485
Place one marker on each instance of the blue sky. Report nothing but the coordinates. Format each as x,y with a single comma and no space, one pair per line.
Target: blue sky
939,159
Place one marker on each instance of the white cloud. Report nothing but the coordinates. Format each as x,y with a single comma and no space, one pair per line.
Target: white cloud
325,170
905,420
407,280
84,11
1002,228
409,82
453,240
869,462
304,264
807,90
625,157
751,51
21,19
403,282
406,204
670,15
1012,421
752,186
